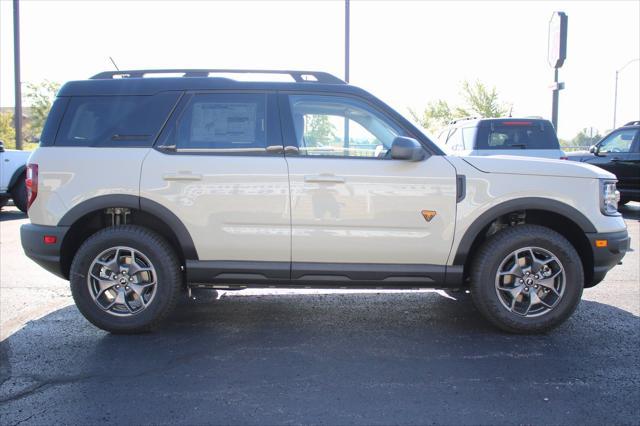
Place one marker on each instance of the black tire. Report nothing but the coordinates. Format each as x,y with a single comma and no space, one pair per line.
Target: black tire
485,267
162,257
19,194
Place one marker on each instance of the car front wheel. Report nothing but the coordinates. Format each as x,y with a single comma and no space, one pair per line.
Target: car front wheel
527,279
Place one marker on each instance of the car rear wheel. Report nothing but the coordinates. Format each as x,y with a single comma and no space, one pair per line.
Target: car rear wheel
527,279
126,279
19,194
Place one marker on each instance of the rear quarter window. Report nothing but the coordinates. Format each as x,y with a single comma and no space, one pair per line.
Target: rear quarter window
133,121
517,135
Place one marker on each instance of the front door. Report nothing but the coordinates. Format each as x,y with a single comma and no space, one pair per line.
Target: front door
618,153
358,215
219,167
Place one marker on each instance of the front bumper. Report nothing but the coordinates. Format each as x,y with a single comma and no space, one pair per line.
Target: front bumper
605,258
45,255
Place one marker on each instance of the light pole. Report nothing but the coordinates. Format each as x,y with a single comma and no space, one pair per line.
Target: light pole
17,113
347,18
615,93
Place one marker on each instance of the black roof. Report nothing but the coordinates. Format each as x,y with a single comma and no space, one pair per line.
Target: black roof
136,82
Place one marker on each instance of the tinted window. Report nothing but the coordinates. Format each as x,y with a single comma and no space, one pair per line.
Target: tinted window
48,136
233,123
340,127
114,120
619,141
517,135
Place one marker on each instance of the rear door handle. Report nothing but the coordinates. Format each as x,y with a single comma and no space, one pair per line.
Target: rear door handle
181,176
322,178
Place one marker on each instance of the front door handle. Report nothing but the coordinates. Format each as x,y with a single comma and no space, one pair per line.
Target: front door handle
324,178
181,176
615,159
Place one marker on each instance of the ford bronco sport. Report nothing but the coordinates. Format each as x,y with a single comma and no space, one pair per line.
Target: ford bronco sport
143,188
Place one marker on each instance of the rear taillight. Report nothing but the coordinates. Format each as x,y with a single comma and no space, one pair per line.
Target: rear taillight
564,158
32,183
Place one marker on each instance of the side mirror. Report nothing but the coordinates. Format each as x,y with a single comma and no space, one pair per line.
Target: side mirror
409,149
593,149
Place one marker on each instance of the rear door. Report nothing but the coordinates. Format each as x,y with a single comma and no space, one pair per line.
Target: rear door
219,166
358,215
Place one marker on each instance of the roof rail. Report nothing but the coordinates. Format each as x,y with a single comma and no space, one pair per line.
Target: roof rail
633,123
298,76
457,120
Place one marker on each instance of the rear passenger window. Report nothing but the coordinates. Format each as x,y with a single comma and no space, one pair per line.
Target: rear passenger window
455,142
223,123
114,120
469,136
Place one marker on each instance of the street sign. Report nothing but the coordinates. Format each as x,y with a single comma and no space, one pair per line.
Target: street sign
557,52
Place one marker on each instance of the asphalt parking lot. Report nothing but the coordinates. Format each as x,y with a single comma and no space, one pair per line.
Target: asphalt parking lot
289,357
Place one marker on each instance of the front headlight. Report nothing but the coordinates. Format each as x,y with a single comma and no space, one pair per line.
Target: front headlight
609,197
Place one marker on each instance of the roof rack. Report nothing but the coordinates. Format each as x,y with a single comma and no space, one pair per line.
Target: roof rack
633,123
457,120
298,76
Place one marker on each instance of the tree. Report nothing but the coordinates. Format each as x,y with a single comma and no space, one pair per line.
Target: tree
435,116
7,131
585,138
479,101
39,97
319,130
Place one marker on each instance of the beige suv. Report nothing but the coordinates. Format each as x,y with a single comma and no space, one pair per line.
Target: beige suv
145,187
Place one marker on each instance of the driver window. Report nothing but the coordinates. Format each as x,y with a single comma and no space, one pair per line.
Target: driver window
619,141
340,127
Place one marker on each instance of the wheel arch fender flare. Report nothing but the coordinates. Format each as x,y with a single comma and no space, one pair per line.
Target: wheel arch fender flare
138,203
528,203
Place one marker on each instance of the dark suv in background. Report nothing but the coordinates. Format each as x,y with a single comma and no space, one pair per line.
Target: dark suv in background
618,153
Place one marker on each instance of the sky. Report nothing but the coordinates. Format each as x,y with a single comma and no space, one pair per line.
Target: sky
408,53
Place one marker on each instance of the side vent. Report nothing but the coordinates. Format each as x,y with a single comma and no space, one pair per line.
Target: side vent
461,187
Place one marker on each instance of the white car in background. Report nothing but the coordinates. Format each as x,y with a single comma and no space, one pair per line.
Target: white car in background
13,166
530,137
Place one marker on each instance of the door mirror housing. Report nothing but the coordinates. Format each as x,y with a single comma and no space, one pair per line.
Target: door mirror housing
593,149
408,149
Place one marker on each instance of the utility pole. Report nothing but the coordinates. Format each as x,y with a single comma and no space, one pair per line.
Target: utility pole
346,40
346,64
17,115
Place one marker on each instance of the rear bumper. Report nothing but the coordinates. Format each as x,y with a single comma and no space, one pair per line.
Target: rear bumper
605,258
45,255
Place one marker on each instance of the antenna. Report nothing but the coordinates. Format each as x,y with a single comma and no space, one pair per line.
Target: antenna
114,63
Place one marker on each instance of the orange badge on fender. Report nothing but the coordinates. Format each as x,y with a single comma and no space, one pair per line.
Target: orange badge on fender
428,214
